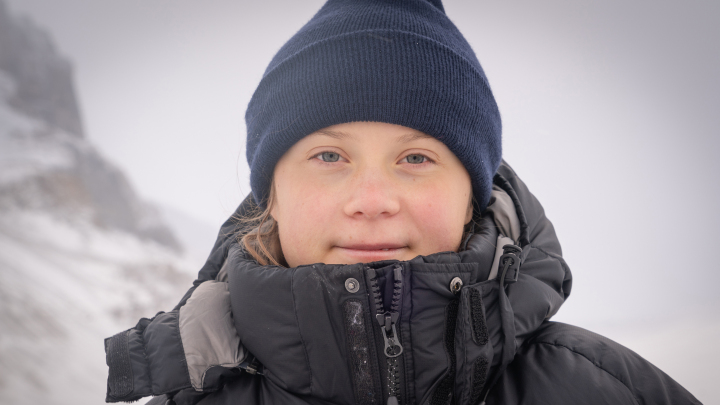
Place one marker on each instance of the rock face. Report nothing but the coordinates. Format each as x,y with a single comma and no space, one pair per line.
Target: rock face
46,161
81,256
44,79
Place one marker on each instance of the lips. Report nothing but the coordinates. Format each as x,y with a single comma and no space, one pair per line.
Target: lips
373,246
372,252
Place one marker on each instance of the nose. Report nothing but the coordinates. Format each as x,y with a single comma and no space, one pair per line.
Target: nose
372,195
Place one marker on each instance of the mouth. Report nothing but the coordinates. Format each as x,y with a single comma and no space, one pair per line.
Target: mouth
373,246
372,252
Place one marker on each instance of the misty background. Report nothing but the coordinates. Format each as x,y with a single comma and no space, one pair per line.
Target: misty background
610,116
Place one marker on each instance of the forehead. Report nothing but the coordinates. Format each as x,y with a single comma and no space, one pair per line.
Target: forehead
357,132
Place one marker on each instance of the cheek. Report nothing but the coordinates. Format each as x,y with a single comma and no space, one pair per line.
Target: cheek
297,200
439,228
306,216
303,217
440,219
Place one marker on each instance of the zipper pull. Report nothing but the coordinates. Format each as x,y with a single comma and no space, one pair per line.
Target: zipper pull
393,348
392,400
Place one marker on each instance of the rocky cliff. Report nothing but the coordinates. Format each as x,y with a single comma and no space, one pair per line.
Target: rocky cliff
44,87
82,257
45,161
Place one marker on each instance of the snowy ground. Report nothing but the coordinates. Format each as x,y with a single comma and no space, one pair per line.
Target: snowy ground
64,287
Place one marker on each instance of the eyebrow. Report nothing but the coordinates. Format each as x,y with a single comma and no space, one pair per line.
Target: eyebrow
334,134
413,136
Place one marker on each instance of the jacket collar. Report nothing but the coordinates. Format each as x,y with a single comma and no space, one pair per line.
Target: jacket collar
294,320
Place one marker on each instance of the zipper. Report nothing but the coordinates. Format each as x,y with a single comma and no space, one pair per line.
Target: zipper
387,321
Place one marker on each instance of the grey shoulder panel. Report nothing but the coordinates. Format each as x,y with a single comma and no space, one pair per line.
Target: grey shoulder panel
176,350
504,213
208,333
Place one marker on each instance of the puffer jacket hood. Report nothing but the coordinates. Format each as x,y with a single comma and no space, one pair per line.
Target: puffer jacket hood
447,328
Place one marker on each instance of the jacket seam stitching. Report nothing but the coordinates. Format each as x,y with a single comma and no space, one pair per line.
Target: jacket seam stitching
184,359
560,260
594,364
297,321
467,324
147,360
552,256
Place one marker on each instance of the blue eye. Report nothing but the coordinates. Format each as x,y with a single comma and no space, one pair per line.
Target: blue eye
416,159
329,157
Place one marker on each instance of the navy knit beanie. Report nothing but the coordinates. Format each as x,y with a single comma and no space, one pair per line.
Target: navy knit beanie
395,61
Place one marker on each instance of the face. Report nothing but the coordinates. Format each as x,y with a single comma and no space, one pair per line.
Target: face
368,191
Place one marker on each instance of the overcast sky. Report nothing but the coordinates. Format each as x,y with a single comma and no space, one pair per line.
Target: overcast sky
610,115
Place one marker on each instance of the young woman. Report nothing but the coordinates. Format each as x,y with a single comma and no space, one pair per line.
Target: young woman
387,255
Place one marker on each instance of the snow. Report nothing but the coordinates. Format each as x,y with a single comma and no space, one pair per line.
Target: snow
64,287
66,282
27,146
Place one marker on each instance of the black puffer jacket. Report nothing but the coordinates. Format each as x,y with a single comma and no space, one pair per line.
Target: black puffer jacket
447,328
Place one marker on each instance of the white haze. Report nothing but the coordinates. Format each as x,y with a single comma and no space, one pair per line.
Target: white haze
609,114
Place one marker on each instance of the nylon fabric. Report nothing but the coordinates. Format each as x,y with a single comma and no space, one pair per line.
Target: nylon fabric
443,394
208,333
502,208
469,350
165,354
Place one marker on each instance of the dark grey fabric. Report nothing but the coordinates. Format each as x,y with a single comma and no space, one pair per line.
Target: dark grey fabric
139,363
165,354
564,364
295,322
120,379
